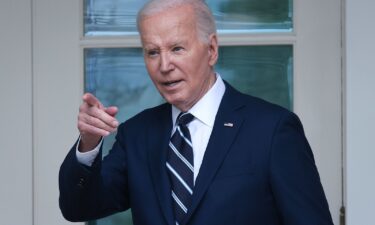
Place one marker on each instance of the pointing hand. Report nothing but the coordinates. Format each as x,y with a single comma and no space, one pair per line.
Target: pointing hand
95,121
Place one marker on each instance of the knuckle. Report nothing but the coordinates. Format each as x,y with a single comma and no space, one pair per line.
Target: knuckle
91,121
92,111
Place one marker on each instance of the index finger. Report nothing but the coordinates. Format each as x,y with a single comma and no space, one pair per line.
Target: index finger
91,100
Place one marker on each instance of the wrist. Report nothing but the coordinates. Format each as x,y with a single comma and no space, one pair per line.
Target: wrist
88,142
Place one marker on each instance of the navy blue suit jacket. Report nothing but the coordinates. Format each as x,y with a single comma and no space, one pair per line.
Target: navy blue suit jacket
261,171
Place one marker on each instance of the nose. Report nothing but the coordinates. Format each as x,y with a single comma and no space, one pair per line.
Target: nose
165,63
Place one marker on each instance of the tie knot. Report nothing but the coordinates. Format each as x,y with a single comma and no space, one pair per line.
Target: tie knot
184,118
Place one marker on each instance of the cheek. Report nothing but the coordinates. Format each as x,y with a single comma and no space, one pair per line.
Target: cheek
148,65
151,68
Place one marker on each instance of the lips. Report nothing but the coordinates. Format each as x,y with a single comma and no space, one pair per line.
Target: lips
171,83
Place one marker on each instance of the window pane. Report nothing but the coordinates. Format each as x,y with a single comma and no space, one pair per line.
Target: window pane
252,15
103,17
116,17
262,71
118,77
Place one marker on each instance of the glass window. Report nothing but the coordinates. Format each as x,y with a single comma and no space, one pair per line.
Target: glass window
116,17
252,15
262,71
103,17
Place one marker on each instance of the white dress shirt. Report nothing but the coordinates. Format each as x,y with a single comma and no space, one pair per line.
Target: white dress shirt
200,128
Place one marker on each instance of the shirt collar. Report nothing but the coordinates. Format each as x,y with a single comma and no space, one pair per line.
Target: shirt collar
206,108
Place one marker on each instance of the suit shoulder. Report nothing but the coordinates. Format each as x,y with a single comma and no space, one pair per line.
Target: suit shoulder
260,111
270,114
235,98
262,106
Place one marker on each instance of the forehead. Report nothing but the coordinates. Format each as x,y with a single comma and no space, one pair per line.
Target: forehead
174,23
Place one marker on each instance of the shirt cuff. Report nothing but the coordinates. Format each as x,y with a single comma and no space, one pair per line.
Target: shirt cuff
87,158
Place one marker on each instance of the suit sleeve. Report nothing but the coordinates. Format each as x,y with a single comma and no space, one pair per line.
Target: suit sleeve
294,177
88,193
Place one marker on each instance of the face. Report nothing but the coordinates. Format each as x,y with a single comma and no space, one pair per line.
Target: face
178,62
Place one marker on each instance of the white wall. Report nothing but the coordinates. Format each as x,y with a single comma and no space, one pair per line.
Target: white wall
15,113
360,112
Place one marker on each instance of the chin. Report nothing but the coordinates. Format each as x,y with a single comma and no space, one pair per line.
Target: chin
177,100
174,102
172,98
179,104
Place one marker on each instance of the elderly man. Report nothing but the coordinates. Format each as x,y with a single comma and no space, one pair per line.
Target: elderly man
210,155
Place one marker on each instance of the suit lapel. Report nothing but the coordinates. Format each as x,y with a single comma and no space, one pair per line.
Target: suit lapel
157,155
222,137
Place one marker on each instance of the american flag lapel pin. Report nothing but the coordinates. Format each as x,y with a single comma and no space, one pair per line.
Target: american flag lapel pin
228,125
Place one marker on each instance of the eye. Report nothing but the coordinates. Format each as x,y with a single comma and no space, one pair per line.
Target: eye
152,53
177,49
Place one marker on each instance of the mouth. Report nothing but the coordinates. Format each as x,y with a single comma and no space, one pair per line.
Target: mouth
171,83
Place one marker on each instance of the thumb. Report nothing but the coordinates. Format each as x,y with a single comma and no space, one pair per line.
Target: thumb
112,110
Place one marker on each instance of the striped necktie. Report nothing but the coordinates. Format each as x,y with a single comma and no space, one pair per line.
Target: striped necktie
180,167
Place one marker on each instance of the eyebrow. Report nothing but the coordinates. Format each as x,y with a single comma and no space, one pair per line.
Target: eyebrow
146,48
171,44
177,43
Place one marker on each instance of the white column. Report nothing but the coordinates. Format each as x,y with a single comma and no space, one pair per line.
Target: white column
15,113
58,84
360,111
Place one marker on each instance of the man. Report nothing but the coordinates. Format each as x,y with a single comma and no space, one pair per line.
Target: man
236,160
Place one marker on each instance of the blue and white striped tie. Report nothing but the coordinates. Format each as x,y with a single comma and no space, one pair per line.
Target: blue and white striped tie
180,165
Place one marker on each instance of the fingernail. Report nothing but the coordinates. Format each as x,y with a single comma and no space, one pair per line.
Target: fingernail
114,123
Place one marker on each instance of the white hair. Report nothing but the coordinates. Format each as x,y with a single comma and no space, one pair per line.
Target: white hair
204,18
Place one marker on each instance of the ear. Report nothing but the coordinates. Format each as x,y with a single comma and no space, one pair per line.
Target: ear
213,49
